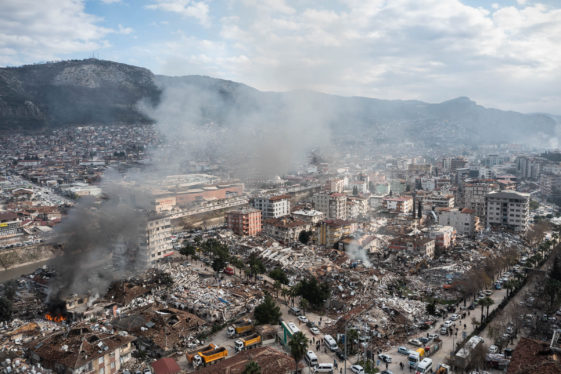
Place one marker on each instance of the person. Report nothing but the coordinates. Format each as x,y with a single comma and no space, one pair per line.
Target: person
401,365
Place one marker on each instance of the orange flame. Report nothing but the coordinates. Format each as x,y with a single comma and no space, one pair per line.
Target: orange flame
58,319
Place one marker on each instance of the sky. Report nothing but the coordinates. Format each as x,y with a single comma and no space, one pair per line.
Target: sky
504,54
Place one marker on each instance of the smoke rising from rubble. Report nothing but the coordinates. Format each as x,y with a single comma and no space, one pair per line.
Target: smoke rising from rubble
99,241
355,253
253,137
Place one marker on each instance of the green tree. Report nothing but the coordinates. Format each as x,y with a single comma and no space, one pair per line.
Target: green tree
352,338
5,309
188,250
485,302
552,289
252,367
162,278
304,236
279,275
555,272
298,347
316,293
218,264
268,312
255,265
431,308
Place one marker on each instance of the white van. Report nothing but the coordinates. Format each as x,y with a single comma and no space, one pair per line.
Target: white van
425,366
330,343
324,368
311,358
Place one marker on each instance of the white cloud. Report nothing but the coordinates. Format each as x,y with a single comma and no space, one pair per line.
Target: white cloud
32,31
124,30
420,49
186,8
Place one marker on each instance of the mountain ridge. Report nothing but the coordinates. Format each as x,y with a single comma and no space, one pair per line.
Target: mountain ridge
43,96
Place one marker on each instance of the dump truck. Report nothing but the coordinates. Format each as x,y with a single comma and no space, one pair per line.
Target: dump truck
240,328
191,355
209,357
249,342
433,346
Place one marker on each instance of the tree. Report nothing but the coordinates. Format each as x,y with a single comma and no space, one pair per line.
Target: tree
552,289
255,265
485,302
268,312
313,291
279,275
163,278
304,236
188,250
298,347
218,264
353,336
277,286
555,272
431,309
5,309
252,367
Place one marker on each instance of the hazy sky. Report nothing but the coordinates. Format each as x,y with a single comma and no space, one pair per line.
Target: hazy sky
504,54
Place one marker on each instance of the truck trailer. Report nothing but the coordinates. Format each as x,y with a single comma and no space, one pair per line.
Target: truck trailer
240,328
210,357
191,355
248,342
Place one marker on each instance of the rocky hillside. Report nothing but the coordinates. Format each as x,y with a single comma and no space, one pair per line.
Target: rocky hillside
37,97
34,97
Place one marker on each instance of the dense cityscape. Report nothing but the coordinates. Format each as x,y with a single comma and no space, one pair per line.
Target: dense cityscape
448,261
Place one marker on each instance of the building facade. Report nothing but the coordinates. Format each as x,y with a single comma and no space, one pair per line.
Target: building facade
508,209
464,221
157,239
272,207
245,222
333,205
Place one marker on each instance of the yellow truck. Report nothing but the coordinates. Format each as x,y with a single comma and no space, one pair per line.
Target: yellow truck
209,357
248,342
240,328
191,355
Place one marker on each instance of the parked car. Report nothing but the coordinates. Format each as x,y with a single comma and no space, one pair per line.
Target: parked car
294,310
448,323
403,350
415,342
303,319
433,336
454,317
357,369
314,330
386,372
424,340
493,349
385,358
341,355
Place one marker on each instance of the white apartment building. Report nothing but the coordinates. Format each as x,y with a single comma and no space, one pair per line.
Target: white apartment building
508,209
333,205
273,206
474,196
158,239
464,221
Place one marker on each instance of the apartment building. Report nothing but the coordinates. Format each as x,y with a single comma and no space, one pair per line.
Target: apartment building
333,205
508,209
245,222
474,196
157,239
463,220
273,206
400,204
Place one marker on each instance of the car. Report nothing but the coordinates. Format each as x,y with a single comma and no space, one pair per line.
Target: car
471,306
357,369
303,319
147,371
433,336
493,349
314,330
386,372
310,324
415,342
424,340
454,317
444,330
294,310
385,358
488,292
341,355
403,351
448,323
509,330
